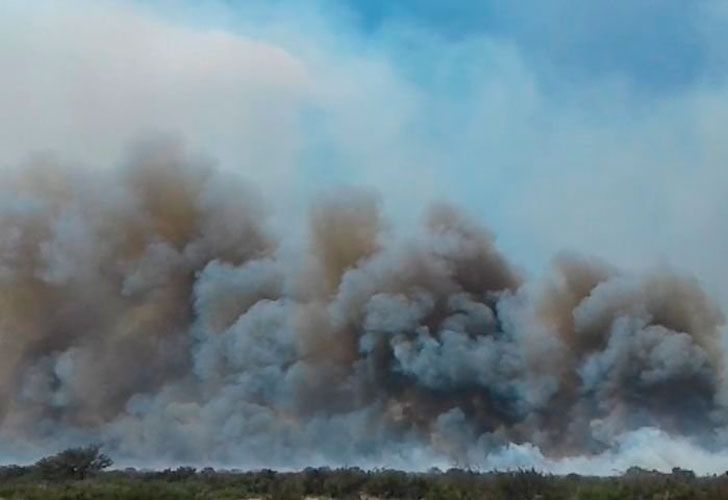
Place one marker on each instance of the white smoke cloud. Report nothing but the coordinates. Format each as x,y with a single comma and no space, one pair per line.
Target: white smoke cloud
155,306
83,78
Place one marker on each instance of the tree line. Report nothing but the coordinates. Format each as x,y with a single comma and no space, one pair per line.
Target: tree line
82,473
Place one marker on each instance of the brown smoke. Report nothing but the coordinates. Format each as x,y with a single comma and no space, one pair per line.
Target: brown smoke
149,307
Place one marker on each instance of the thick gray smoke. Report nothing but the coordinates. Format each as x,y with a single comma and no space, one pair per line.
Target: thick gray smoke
149,308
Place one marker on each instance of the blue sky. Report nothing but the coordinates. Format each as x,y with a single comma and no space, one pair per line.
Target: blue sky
593,127
655,45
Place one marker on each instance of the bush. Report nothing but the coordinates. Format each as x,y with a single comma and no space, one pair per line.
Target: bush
73,463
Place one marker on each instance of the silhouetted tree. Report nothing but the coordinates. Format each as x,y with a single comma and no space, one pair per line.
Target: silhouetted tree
73,463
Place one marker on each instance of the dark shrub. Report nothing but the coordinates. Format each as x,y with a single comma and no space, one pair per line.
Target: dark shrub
73,463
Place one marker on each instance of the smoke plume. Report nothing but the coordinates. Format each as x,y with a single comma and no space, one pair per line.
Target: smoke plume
149,307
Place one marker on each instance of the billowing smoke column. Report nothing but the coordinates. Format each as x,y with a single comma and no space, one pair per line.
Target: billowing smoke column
149,308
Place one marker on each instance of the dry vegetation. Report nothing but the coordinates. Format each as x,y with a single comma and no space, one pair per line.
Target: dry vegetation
78,474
